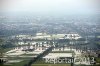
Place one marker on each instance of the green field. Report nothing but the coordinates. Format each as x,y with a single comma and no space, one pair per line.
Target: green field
3,65
98,60
24,61
51,65
6,49
20,63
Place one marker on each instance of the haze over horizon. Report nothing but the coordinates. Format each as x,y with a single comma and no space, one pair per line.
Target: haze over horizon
70,7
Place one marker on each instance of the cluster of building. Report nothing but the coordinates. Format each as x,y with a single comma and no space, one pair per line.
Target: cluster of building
63,50
67,55
43,37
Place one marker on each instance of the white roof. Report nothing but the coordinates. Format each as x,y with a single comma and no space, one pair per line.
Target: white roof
57,55
73,36
40,34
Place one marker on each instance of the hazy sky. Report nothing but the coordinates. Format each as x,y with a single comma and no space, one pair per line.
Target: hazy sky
51,6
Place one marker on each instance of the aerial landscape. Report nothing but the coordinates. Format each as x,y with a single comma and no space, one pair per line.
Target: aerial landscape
49,33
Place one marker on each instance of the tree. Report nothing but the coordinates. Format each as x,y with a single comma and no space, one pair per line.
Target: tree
1,48
1,51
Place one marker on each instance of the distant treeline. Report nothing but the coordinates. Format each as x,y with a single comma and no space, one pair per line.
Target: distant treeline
15,32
